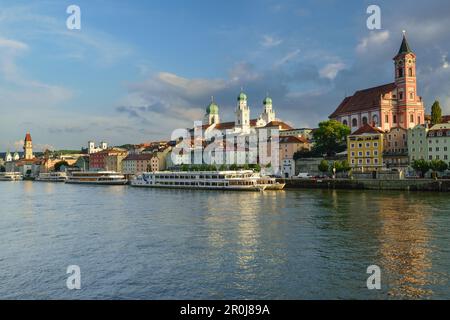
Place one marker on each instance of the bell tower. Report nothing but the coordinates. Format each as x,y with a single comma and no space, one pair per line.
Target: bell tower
410,111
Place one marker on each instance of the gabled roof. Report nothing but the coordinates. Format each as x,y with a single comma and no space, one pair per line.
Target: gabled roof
282,125
363,99
138,157
367,129
293,139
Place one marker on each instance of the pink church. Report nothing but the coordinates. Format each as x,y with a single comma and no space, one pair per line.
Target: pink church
388,106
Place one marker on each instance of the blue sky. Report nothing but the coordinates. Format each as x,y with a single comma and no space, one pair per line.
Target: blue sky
139,69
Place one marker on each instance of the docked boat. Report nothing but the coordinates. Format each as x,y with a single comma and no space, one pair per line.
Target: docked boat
52,177
270,183
209,180
10,176
97,178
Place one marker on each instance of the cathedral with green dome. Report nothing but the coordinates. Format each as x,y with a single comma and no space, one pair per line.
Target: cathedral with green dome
243,122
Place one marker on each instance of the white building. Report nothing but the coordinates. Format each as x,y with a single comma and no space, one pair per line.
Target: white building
93,149
418,143
439,142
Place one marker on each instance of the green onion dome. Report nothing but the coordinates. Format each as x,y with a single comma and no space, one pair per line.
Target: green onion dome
212,108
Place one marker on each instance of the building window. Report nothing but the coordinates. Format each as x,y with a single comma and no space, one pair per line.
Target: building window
411,118
354,123
410,72
400,72
345,123
400,95
386,118
375,120
395,119
364,120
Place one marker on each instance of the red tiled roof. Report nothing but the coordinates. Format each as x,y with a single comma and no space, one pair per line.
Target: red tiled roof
282,125
363,100
28,137
138,157
367,128
293,139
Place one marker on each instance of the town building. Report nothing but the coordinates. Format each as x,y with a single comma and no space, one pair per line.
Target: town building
439,142
306,133
288,147
113,161
135,164
97,161
388,106
365,148
395,154
418,143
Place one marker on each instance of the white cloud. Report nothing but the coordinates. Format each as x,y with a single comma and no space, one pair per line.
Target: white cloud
13,44
287,58
445,63
331,70
269,41
373,40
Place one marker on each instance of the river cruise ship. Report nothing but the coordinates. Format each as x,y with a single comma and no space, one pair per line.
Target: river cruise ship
97,178
10,176
202,180
52,177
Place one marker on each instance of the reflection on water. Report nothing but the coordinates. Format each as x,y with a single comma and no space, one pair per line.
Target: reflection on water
176,244
405,247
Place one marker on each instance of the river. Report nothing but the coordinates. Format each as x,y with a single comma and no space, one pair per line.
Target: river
176,244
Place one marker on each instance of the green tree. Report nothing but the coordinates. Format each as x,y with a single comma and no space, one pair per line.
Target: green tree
421,166
234,167
223,167
330,137
436,113
438,165
324,166
2,169
345,166
58,165
185,167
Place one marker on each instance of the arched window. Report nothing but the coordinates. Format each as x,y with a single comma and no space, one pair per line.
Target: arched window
410,72
400,72
375,120
354,123
345,123
364,120
411,118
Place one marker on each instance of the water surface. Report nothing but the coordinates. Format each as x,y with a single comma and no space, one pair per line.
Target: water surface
176,244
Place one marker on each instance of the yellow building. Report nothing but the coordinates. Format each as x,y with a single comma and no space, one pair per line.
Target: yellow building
365,148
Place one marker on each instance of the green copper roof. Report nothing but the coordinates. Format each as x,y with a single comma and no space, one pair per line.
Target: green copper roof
212,108
267,101
242,97
404,48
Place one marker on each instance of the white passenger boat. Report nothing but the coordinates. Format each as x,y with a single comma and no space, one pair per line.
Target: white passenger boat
270,183
97,178
206,180
52,177
10,176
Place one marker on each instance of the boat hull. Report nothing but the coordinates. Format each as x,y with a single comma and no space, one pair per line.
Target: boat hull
233,188
101,183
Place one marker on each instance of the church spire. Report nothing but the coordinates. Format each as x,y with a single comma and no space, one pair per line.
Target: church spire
404,48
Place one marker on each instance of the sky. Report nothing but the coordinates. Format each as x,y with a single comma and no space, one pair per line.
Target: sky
137,70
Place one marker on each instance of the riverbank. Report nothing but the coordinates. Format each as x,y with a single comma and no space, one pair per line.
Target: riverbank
371,184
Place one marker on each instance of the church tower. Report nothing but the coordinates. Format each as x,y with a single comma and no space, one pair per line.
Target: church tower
268,114
28,147
242,121
212,114
410,110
